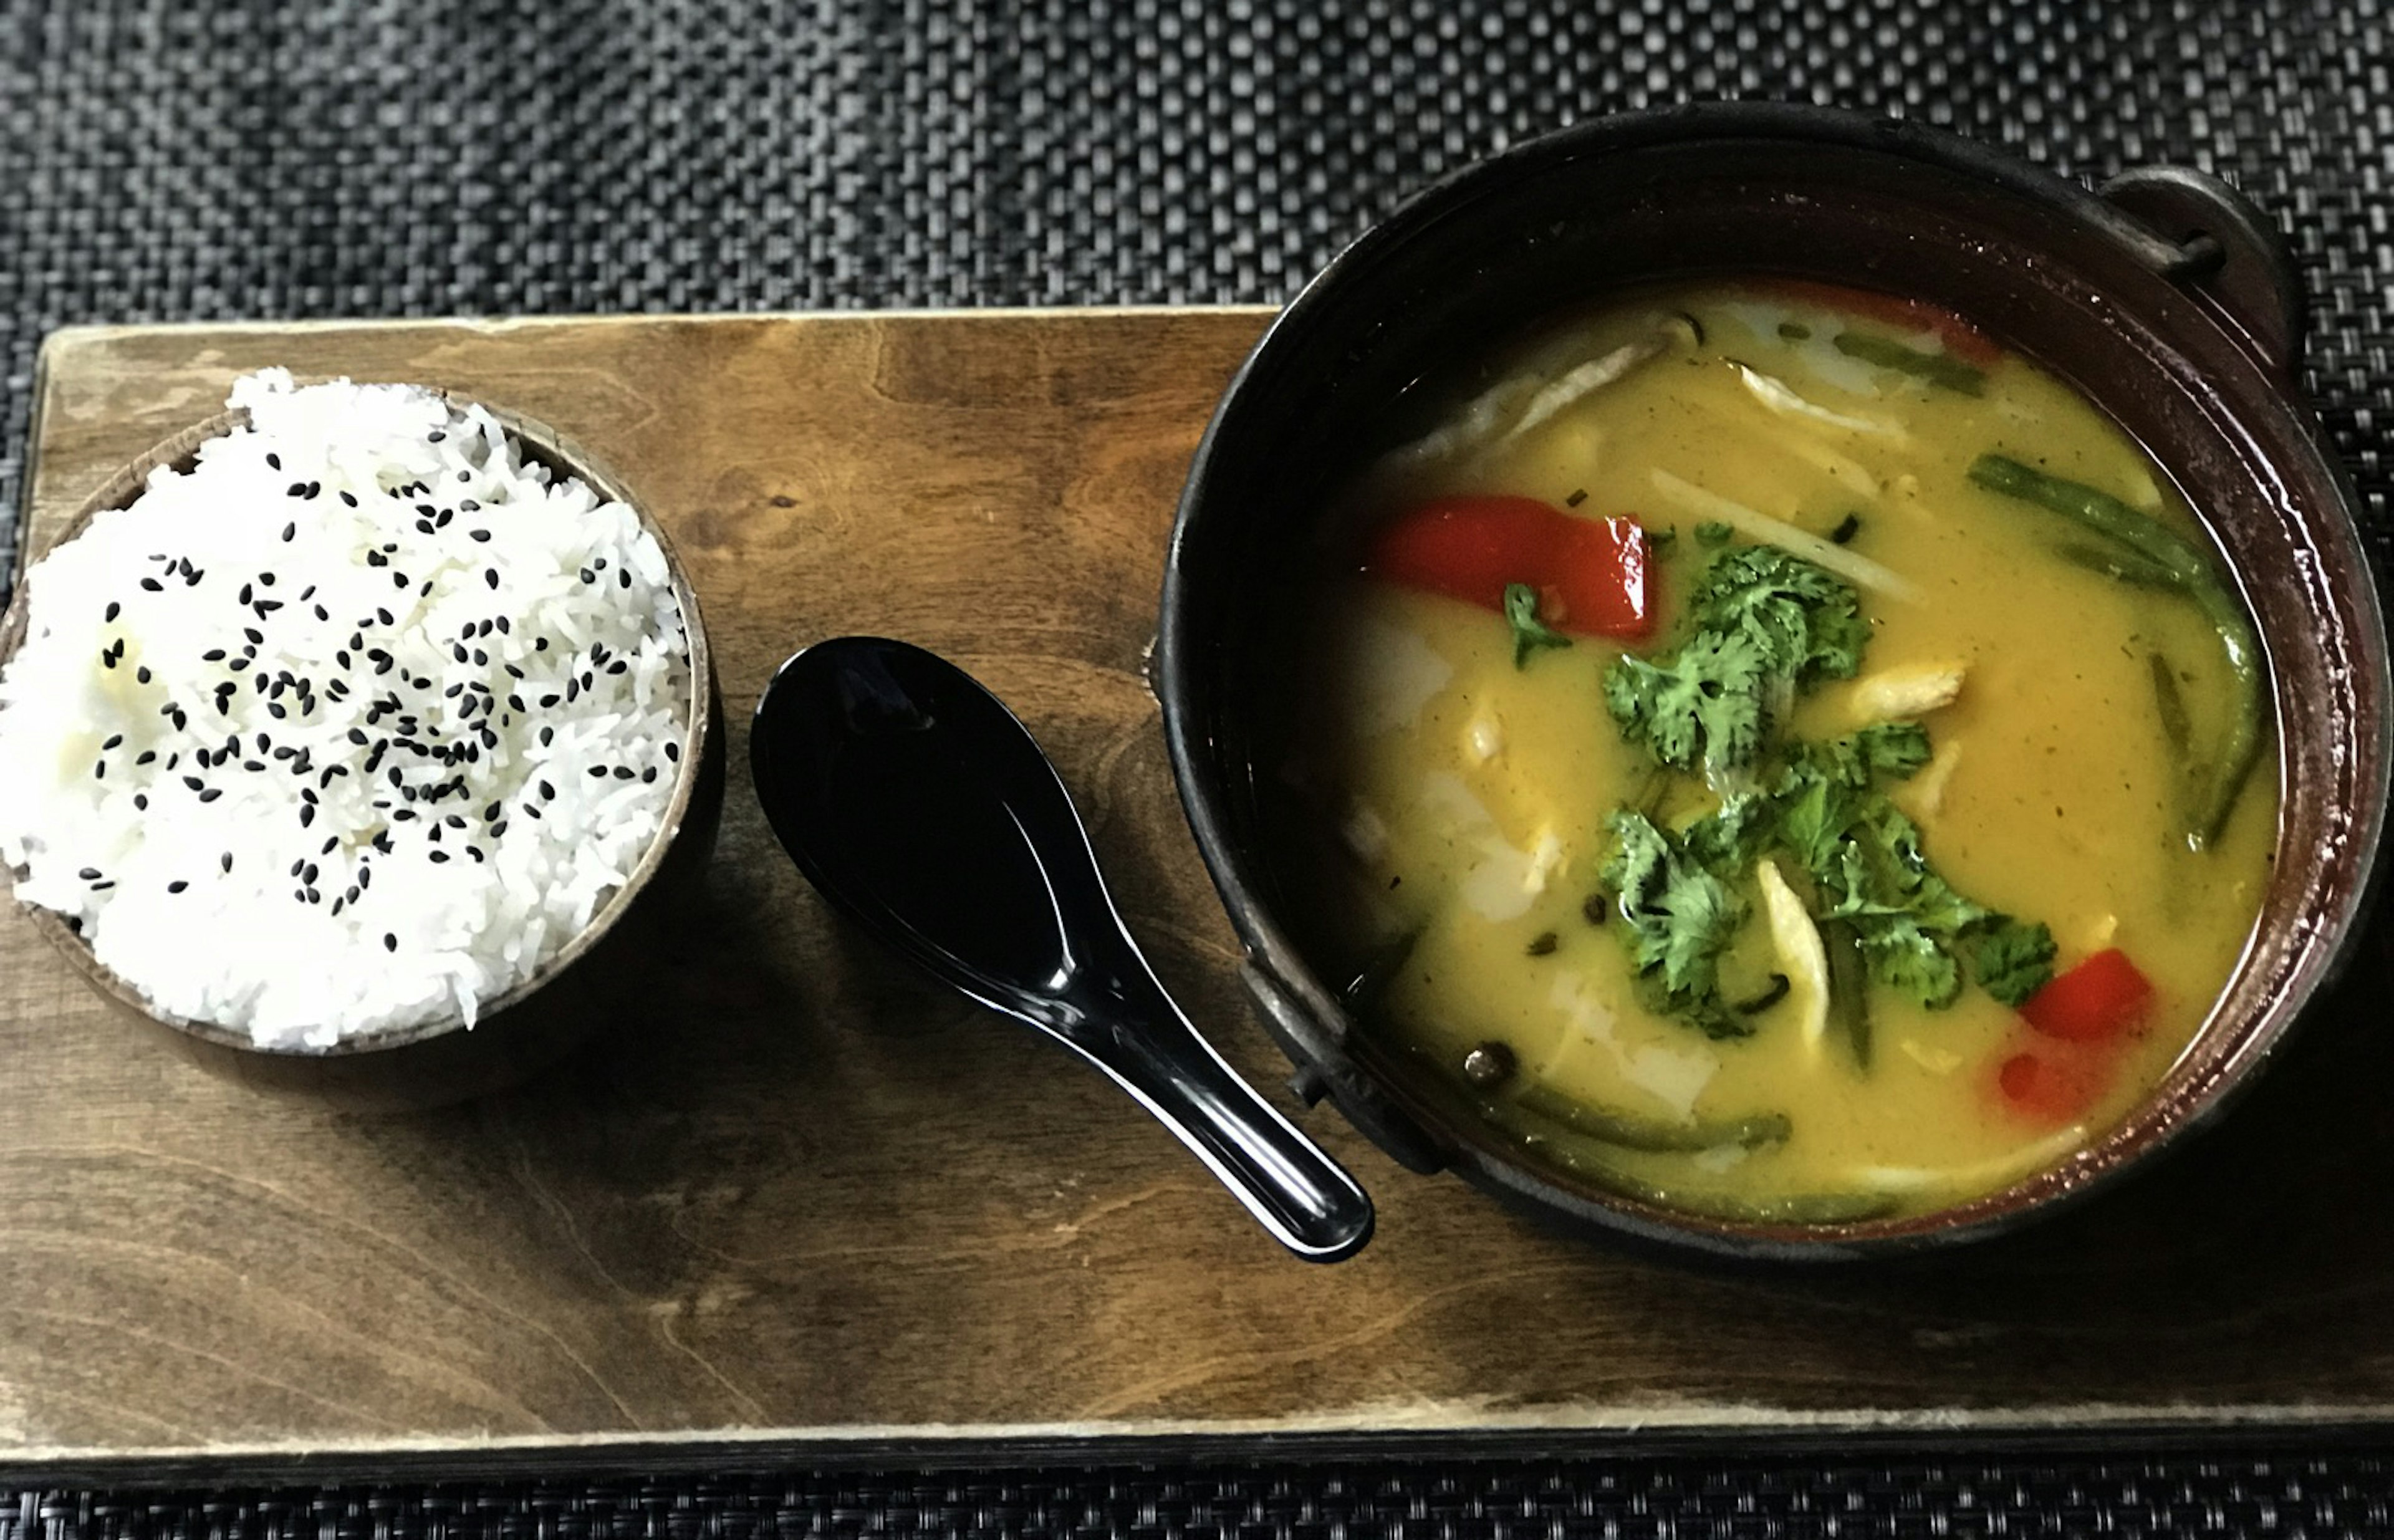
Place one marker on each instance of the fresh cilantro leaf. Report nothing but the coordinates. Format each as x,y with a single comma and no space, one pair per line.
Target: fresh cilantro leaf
1768,624
1529,633
1726,841
1804,622
1704,709
2013,961
1680,919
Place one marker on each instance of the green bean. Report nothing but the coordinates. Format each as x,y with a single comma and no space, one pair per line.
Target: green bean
2172,706
1798,1208
2098,511
2121,564
2190,570
1848,986
1654,1136
1936,368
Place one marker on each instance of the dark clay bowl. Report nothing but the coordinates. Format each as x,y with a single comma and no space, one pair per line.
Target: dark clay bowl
590,980
2166,299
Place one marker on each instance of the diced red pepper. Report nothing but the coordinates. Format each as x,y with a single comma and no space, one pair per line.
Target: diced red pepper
2099,998
1590,573
1960,338
2053,1087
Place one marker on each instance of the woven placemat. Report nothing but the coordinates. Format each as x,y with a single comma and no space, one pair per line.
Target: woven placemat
1616,1500
369,158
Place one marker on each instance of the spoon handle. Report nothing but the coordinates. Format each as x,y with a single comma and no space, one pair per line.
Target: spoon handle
1296,1190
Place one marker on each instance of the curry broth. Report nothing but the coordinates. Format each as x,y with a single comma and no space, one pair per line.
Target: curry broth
1471,796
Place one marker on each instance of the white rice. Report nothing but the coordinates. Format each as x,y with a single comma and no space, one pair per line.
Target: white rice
475,690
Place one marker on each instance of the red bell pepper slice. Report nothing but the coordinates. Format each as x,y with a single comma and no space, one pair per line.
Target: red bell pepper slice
2099,998
1590,573
1960,338
2053,1088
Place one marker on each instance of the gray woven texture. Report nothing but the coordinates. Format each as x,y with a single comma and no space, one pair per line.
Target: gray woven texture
433,157
1622,1500
169,161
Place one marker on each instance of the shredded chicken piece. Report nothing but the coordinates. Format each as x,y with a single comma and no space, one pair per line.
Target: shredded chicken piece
1900,694
1588,378
1923,795
1859,571
1775,395
1801,953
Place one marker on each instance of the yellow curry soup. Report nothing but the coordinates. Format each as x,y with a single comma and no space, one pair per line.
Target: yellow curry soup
2014,657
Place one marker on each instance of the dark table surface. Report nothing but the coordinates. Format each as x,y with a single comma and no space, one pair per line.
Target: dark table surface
370,158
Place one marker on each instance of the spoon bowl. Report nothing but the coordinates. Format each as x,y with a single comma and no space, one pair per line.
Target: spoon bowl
924,811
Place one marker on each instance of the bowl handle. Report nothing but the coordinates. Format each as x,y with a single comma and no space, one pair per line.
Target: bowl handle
1324,1068
2218,244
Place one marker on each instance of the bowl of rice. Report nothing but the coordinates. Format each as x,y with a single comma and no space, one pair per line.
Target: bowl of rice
362,740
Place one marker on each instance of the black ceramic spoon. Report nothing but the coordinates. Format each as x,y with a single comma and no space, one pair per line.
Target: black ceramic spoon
922,808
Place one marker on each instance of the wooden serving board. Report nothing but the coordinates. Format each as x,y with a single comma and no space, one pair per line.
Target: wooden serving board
813,1208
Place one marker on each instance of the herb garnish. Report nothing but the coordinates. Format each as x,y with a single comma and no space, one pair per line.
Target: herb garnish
1768,626
1529,633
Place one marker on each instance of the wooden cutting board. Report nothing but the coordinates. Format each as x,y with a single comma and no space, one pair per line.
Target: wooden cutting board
814,1208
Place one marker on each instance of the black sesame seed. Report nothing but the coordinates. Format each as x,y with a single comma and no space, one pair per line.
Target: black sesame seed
256,638
442,521
389,941
435,436
273,461
296,489
194,782
623,577
649,776
622,773
210,794
177,887
113,739
398,580
252,765
289,530
154,586
491,577
89,874
350,500
104,886
111,612
440,856
323,614
599,773
673,750
141,674
589,576
146,756
141,801
540,644
225,861
274,709
214,655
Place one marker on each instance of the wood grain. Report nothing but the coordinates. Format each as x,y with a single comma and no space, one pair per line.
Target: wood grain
815,1200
